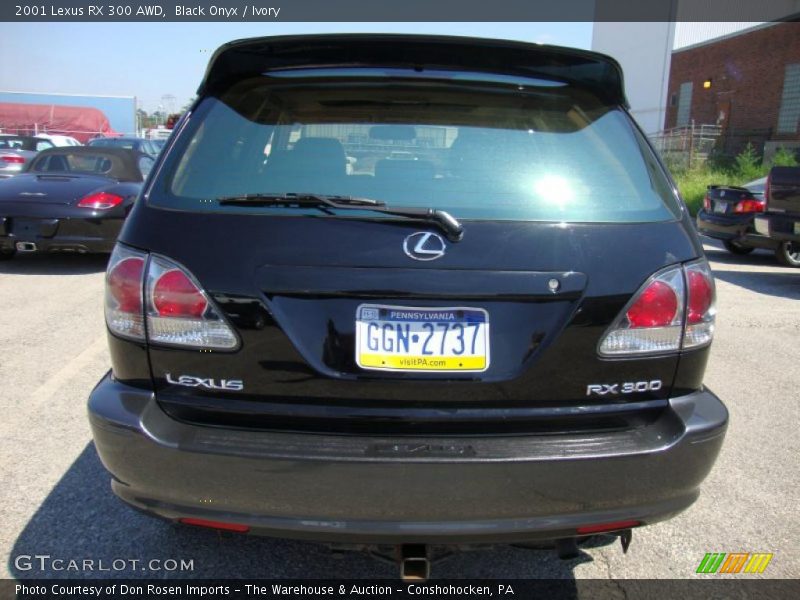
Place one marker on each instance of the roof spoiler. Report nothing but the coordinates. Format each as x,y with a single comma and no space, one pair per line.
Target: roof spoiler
235,60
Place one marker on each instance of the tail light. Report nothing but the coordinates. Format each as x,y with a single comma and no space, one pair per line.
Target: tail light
175,295
155,299
124,306
100,201
656,306
673,310
707,203
12,159
179,312
653,321
749,205
701,305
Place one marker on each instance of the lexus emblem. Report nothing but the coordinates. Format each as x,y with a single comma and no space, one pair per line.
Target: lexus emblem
424,246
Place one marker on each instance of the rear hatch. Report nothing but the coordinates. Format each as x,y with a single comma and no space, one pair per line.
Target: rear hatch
352,319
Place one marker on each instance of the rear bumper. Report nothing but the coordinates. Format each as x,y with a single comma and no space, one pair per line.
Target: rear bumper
60,234
780,227
738,229
392,490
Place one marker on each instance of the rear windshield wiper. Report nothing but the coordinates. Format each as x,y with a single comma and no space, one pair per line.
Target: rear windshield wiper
444,220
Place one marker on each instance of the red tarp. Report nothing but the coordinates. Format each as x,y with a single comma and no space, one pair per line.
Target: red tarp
81,122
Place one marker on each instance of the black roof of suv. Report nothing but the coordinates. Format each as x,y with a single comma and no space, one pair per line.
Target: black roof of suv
253,56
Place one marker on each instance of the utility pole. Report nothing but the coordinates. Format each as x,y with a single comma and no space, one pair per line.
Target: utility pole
168,100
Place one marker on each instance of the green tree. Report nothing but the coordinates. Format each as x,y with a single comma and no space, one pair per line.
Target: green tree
783,157
748,164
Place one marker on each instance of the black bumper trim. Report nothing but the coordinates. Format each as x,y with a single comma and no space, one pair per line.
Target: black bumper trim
391,490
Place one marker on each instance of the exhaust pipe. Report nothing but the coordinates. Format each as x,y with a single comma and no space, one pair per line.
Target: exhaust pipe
26,247
414,562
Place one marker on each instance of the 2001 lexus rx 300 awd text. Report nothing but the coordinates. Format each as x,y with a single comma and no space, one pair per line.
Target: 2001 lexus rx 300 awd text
408,290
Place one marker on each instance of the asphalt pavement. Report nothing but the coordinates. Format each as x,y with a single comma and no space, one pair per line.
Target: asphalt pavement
55,499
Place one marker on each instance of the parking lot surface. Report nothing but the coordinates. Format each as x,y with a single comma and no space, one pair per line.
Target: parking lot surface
55,498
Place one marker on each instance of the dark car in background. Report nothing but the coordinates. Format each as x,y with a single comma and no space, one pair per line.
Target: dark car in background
130,143
17,150
70,199
502,339
728,214
781,221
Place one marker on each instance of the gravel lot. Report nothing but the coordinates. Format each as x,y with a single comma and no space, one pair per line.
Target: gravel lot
55,498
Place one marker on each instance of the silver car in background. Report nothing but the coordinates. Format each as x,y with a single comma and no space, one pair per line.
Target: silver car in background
60,140
17,150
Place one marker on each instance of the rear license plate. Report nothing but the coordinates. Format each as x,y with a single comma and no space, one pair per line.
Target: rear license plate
24,228
407,338
762,226
797,227
719,207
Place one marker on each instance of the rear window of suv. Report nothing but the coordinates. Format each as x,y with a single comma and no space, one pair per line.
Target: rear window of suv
489,150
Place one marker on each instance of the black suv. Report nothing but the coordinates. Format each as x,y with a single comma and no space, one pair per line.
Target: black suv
781,221
408,290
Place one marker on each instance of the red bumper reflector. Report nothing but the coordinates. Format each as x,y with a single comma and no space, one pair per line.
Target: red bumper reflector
608,527
216,525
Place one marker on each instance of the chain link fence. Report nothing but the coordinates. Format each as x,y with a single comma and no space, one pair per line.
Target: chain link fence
685,147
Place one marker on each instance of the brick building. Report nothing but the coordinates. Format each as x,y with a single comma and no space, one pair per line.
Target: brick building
747,83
